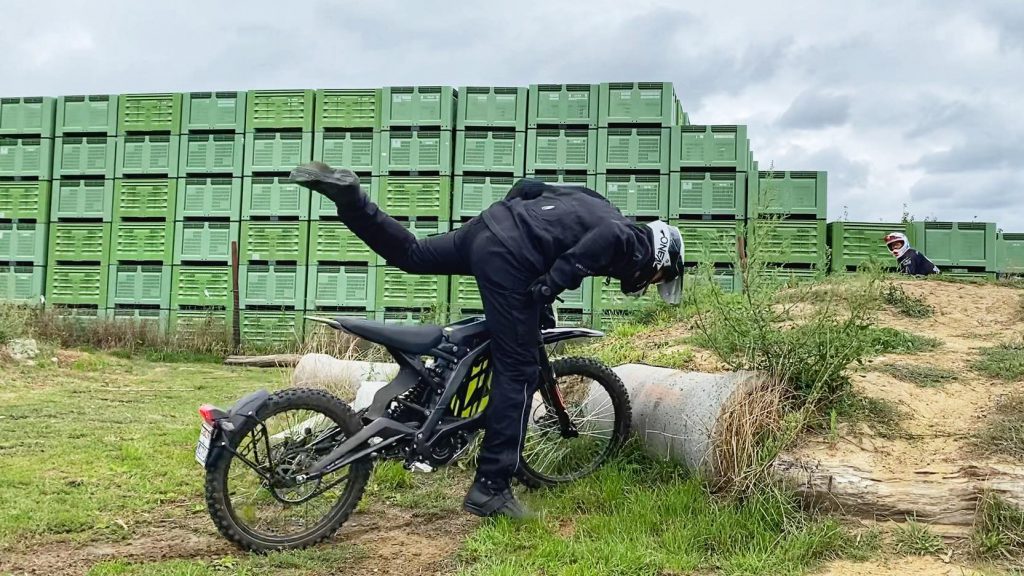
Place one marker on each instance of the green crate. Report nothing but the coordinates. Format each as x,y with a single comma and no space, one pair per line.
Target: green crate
26,157
25,116
465,293
277,109
710,241
149,113
794,276
271,329
490,151
574,317
267,196
724,276
708,194
396,288
790,193
96,114
71,284
274,241
19,283
341,287
322,207
213,111
79,241
23,242
1010,253
609,296
633,149
145,198
416,196
139,285
347,109
586,180
561,149
82,199
75,156
211,154
956,244
25,200
209,198
788,241
700,146
203,325
147,155
271,285
142,242
357,151
563,105
276,151
197,241
636,194
201,286
403,106
332,241
416,151
854,243
79,313
406,316
637,103
154,317
492,107
473,194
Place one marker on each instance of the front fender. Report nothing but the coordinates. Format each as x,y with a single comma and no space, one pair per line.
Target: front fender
553,335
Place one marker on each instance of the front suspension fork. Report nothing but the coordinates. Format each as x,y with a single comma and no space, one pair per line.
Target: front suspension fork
553,396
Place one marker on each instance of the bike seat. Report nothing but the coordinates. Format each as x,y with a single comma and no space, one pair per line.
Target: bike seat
411,339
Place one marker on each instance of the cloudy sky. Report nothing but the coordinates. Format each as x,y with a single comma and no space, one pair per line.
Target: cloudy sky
916,102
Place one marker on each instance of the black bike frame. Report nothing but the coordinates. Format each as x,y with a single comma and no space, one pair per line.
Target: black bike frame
411,371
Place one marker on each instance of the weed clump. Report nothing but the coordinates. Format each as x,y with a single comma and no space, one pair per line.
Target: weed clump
894,295
1005,361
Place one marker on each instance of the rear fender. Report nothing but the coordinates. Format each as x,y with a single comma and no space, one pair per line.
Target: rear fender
554,335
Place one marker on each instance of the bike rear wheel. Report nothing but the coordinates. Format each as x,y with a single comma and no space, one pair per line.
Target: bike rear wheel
265,509
597,404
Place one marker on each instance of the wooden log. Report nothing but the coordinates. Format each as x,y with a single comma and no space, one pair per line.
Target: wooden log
272,361
941,494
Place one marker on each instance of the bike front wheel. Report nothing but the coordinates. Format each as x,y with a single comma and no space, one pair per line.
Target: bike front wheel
252,490
598,405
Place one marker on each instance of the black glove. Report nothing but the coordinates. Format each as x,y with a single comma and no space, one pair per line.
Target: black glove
541,293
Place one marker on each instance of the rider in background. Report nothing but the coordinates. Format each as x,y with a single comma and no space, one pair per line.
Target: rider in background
525,250
911,262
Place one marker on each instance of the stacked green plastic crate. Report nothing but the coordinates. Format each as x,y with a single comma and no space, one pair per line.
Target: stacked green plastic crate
964,249
81,205
205,201
274,231
490,155
636,121
26,147
711,169
417,149
854,244
341,277
141,208
561,148
1010,254
787,211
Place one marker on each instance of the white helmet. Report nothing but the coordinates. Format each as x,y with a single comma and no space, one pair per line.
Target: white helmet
895,237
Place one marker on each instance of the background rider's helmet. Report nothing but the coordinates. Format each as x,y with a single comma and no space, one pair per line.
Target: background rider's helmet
892,239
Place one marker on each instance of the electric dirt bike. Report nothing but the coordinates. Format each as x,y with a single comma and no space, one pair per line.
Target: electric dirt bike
285,470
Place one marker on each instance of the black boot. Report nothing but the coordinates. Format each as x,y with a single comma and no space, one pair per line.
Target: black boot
339,184
488,499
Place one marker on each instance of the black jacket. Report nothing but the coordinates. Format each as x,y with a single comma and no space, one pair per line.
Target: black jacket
571,232
914,263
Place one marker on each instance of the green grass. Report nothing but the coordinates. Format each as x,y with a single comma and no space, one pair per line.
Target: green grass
631,343
884,340
999,530
117,437
1005,361
646,518
920,375
1003,432
883,417
914,538
894,295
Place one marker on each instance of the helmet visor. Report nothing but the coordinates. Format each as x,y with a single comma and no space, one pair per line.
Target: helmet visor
671,291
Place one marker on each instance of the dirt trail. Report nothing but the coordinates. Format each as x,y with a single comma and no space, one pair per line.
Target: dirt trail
393,542
918,566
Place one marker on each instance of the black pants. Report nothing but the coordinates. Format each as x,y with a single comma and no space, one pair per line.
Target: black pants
512,317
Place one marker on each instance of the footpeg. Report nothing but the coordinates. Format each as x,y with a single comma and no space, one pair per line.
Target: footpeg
421,467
